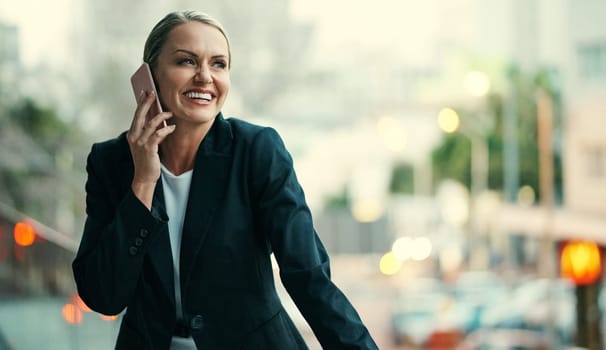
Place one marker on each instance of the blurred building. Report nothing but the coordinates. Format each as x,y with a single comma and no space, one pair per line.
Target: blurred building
579,55
10,61
9,44
585,144
342,234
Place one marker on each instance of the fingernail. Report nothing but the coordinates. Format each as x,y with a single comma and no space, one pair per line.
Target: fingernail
141,93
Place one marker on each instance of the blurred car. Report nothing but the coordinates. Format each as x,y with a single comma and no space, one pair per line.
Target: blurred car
480,286
478,290
540,304
507,339
425,316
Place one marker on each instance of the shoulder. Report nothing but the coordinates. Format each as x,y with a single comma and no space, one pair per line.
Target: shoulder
254,135
243,128
114,148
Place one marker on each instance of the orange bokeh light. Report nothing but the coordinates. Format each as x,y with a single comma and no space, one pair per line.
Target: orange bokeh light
72,314
76,300
581,262
24,234
108,317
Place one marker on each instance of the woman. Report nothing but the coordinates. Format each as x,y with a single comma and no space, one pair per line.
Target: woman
182,219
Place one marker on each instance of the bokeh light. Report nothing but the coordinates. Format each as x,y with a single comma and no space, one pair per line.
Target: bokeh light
422,248
367,209
401,248
108,317
24,234
580,261
448,120
389,264
76,300
476,83
71,313
526,196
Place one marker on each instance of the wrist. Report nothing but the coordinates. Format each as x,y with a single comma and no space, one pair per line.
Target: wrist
144,191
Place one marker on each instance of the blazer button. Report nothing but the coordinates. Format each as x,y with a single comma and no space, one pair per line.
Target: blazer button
143,233
196,323
138,242
133,250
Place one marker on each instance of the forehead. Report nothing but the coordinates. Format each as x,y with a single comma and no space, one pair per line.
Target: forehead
197,36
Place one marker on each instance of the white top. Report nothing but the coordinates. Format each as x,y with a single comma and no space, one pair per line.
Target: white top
176,194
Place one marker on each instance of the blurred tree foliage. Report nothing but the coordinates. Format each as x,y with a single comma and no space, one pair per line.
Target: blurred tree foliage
40,123
402,179
41,172
452,158
339,200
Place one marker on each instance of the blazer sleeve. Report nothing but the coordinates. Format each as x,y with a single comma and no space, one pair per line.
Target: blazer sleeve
111,252
283,215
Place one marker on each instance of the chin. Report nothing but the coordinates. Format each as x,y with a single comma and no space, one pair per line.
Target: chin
197,115
205,118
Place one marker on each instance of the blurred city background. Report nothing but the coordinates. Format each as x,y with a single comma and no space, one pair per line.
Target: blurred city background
452,152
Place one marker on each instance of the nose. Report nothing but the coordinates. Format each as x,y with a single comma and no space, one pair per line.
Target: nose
204,75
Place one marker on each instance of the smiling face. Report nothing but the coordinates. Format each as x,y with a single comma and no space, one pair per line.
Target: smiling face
192,72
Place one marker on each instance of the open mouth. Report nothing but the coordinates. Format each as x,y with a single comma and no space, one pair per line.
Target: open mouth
200,96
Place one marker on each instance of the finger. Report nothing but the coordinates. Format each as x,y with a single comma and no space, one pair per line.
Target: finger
154,124
160,134
158,120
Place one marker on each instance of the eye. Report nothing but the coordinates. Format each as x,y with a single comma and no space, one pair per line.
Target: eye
186,61
220,64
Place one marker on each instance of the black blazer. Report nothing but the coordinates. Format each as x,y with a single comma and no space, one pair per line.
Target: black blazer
245,203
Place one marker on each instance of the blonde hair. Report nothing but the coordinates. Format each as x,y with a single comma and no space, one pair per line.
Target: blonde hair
158,35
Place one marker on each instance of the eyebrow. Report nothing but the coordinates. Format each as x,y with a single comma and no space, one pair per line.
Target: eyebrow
191,53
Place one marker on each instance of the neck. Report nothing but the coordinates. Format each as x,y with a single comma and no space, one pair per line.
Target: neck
178,150
178,157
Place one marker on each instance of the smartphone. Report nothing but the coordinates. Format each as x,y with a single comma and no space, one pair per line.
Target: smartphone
142,80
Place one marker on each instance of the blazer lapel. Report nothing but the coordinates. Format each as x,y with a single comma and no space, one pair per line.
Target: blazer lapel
209,179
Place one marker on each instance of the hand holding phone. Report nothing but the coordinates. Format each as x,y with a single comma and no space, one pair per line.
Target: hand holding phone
142,80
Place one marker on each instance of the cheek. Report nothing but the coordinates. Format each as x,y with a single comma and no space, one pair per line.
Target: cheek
160,84
168,80
167,96
225,85
167,91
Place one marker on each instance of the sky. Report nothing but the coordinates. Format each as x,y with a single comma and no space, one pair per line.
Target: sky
44,25
43,28
400,26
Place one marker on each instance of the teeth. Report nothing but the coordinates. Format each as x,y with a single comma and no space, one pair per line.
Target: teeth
199,95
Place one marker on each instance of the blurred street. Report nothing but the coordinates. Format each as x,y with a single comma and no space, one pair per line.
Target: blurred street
452,155
29,323
38,323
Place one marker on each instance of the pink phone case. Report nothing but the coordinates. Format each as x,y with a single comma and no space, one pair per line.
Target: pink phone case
142,80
